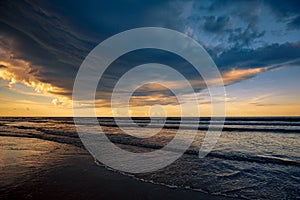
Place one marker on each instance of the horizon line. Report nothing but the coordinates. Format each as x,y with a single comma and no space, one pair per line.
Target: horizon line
158,116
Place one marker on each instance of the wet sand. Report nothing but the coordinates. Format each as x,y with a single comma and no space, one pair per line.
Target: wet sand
67,172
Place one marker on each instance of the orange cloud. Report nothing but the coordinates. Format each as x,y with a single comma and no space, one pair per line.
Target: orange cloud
236,75
17,70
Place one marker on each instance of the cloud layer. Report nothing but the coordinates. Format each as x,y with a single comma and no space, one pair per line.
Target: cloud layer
43,45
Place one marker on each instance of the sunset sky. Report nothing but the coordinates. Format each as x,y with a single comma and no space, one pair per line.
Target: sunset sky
255,45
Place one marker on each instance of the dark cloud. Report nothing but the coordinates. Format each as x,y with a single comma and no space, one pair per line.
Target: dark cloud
247,10
231,22
260,57
217,25
138,57
55,36
42,41
286,11
295,23
240,37
283,9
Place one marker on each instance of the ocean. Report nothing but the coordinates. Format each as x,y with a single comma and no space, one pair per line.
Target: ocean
254,158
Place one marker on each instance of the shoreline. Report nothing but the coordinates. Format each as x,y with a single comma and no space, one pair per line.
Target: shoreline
77,176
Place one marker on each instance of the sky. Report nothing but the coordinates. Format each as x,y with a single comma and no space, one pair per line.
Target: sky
254,44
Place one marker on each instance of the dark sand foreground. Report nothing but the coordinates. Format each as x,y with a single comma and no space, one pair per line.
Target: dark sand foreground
76,176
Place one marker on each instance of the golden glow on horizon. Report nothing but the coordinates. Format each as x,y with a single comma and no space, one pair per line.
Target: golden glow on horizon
26,108
233,108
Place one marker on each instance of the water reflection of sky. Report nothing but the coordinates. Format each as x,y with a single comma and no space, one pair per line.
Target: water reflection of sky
21,158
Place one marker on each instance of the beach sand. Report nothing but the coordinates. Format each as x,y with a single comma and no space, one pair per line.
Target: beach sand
62,171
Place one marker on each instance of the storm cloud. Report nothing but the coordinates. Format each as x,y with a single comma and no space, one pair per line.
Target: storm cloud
54,37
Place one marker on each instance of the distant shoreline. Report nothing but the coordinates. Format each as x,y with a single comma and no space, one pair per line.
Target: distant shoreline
232,118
